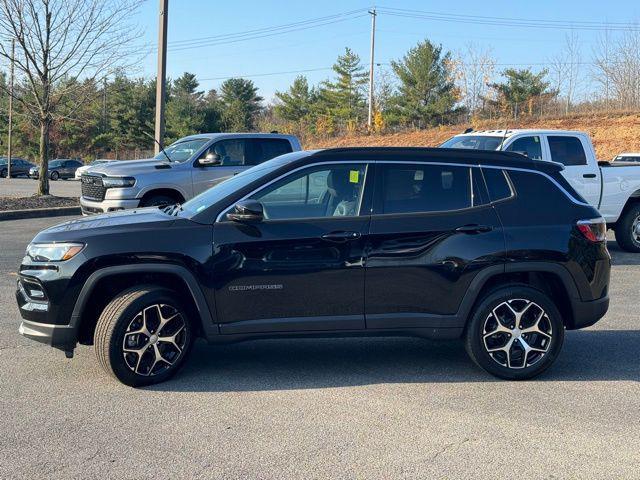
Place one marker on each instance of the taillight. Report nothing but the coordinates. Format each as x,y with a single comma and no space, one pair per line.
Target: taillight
594,230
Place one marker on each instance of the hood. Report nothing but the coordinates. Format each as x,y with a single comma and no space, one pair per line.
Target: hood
131,167
106,224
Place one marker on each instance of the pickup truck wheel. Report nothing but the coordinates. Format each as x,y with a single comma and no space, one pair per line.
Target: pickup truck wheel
158,201
515,333
143,336
628,229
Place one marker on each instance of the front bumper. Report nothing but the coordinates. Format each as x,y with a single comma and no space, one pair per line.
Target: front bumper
57,336
91,207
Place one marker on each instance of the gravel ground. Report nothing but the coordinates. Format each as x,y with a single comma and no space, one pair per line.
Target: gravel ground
29,203
348,408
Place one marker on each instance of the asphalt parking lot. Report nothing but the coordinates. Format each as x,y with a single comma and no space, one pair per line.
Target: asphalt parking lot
25,187
348,408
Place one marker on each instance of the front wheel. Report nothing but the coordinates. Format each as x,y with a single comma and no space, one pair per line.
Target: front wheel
628,229
54,175
143,336
515,333
158,201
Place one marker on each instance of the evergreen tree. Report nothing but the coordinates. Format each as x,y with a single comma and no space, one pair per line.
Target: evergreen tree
426,92
240,103
520,88
297,103
344,98
185,109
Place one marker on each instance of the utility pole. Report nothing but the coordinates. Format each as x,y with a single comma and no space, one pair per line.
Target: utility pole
373,41
9,127
161,78
104,104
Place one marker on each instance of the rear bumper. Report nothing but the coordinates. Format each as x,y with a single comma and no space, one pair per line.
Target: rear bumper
57,336
90,207
586,314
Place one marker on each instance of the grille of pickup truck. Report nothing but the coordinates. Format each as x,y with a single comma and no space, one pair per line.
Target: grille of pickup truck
92,188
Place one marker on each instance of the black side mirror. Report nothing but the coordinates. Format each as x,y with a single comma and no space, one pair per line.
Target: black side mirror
247,211
209,160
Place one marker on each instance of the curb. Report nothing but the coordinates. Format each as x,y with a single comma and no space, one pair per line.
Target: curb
39,213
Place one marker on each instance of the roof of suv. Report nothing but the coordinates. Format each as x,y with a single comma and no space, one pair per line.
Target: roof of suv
515,131
211,136
446,155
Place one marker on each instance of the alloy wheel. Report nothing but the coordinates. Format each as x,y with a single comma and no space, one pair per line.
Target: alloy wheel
635,230
154,340
517,333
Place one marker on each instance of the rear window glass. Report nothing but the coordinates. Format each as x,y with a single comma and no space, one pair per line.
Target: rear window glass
425,188
498,184
567,150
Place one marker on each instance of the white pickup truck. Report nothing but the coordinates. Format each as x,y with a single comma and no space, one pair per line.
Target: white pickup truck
612,187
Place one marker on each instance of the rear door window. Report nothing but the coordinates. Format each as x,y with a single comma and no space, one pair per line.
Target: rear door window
262,149
418,188
566,150
529,146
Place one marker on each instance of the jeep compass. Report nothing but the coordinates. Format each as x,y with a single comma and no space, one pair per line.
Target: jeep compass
490,247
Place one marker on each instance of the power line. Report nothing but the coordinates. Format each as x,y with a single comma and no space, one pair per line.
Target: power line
267,74
508,22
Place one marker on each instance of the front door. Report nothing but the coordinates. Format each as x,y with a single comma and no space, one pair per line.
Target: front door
231,155
302,267
432,230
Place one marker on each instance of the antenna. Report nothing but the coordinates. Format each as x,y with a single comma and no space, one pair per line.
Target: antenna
160,147
504,136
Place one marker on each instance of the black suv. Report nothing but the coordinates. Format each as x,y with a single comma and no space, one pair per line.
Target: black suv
491,247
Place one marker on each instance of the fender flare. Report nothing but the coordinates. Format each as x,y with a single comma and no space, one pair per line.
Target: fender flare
209,327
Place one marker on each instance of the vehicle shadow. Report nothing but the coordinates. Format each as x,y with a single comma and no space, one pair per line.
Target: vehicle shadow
588,355
621,257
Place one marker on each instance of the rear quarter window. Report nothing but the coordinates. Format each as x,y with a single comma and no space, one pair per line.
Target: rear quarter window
498,184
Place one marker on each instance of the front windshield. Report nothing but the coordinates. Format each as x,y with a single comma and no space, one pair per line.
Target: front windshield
225,188
182,150
473,142
55,163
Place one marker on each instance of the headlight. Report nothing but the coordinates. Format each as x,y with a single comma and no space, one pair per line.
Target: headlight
122,182
53,252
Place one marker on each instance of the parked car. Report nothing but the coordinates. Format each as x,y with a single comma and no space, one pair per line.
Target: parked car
627,157
613,188
84,168
19,166
487,246
184,169
58,168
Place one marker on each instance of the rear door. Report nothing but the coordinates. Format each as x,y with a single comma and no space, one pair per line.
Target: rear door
431,232
571,151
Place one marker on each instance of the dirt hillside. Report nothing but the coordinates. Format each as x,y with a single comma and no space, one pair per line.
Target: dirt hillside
611,133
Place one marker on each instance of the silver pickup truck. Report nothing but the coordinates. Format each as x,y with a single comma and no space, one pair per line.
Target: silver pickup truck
184,169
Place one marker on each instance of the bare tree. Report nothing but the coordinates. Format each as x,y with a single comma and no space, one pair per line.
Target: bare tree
474,69
62,47
565,70
617,67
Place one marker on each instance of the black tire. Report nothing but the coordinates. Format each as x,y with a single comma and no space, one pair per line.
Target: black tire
624,229
54,176
514,366
120,314
158,201
3,173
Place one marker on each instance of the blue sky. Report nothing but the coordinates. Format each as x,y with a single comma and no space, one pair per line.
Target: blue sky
316,48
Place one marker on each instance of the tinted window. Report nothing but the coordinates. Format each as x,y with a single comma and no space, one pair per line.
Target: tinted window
263,149
529,146
425,188
497,183
478,142
567,150
55,163
328,191
623,158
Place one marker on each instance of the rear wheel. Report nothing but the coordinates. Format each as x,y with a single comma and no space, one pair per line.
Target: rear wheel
143,336
3,173
628,229
515,333
54,175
